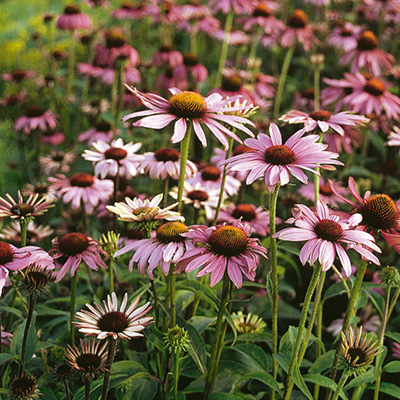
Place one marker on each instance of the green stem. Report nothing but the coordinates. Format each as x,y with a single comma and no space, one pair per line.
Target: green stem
165,184
225,47
18,293
116,187
253,49
71,68
381,338
184,157
23,224
340,386
274,276
213,365
314,311
88,385
120,97
394,301
317,176
223,181
317,89
67,393
111,274
155,296
342,280
112,347
32,302
319,336
303,317
282,80
175,372
172,280
74,280
350,311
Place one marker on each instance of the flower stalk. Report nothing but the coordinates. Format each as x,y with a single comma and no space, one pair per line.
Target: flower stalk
184,157
340,385
74,280
112,347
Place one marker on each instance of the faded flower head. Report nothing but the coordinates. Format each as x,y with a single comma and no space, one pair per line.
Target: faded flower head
35,279
249,323
176,340
23,387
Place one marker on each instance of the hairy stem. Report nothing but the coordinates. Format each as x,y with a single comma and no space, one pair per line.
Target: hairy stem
184,157
112,347
74,280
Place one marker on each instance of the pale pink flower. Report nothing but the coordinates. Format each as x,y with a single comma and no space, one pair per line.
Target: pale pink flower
52,137
34,233
394,137
325,234
115,158
56,162
274,162
167,55
367,55
324,120
101,131
344,37
36,118
165,163
73,249
235,37
129,10
73,19
165,247
18,75
210,111
12,100
113,322
223,249
192,67
82,189
239,6
131,75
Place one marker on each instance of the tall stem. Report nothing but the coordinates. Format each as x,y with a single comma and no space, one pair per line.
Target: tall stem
303,317
72,307
116,187
172,279
274,276
165,191
120,97
381,339
32,302
23,224
317,176
223,181
340,386
213,365
155,296
111,274
349,314
225,47
88,385
71,68
184,157
66,388
317,90
112,347
282,80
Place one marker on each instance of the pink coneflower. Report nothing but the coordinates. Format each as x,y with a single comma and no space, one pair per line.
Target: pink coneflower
325,233
273,161
210,178
165,162
344,37
20,209
11,100
304,99
326,194
379,212
367,55
167,55
211,111
129,10
262,16
101,131
36,117
239,6
34,233
138,210
14,259
191,66
113,322
52,137
264,86
82,189
73,19
73,249
18,75
324,120
198,197
56,162
131,75
256,217
223,248
115,158
298,29
166,247
6,338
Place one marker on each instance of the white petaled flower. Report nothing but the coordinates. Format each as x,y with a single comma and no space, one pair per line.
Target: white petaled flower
138,210
113,322
115,158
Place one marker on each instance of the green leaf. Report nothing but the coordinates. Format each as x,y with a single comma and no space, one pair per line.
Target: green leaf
256,353
6,357
391,389
255,337
263,377
16,342
156,337
392,367
323,381
394,336
201,323
203,291
379,361
378,143
323,362
197,348
334,290
367,377
140,386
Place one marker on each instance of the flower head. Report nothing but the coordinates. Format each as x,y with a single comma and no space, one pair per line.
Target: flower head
73,19
21,209
249,323
35,279
183,106
176,339
274,161
111,322
325,234
36,117
74,248
223,248
23,387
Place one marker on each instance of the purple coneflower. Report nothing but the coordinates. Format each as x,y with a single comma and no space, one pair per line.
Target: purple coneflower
34,233
165,162
36,117
167,55
223,248
21,209
166,247
82,188
73,19
129,10
274,161
183,106
115,158
239,6
324,120
191,66
74,248
18,75
111,322
52,137
56,162
325,233
101,131
344,36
